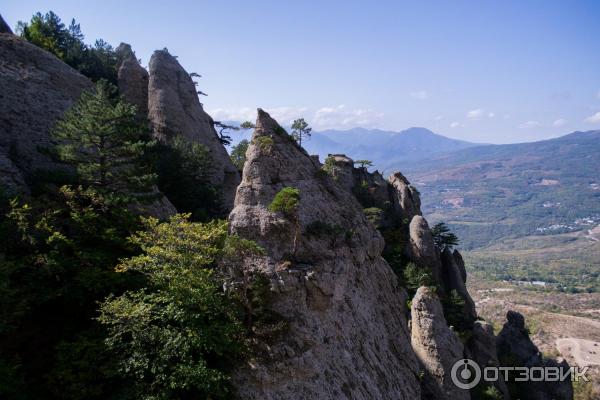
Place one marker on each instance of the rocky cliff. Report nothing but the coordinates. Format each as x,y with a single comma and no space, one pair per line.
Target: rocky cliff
340,298
132,79
36,88
347,337
174,109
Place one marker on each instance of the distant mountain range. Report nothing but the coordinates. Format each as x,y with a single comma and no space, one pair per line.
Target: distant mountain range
485,192
490,192
384,148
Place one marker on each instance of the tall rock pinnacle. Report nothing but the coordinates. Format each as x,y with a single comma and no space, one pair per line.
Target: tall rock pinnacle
132,79
4,28
347,335
174,109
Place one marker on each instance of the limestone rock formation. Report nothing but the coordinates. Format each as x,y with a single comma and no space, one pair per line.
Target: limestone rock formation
174,109
347,337
36,88
132,79
437,347
452,279
407,202
515,348
4,28
422,247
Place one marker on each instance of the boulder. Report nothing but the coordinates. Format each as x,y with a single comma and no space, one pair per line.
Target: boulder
515,349
436,346
174,109
346,336
132,79
36,88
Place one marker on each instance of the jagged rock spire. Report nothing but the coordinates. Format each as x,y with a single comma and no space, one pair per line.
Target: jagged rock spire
174,109
437,347
4,28
347,335
132,79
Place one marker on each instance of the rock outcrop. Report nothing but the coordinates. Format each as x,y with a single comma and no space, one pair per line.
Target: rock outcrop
132,79
347,337
36,88
437,347
422,248
453,279
515,348
174,109
407,202
4,28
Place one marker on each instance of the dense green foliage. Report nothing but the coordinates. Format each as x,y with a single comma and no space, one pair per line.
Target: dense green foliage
167,328
442,236
238,154
184,171
48,32
102,138
286,201
178,336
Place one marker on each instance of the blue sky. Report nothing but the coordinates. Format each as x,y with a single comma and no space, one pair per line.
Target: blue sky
504,71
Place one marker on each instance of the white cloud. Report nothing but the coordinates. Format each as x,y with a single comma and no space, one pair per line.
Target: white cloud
284,115
343,117
336,117
593,118
559,122
475,114
529,124
419,94
439,118
456,124
480,113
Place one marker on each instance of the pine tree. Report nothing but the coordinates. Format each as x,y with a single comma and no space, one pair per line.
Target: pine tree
101,136
300,129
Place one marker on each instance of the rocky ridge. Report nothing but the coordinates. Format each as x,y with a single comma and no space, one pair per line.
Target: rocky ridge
328,289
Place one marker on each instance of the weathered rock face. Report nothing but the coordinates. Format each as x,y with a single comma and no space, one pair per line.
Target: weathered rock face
407,202
515,348
437,347
452,279
4,28
132,79
422,247
36,88
347,337
174,109
481,348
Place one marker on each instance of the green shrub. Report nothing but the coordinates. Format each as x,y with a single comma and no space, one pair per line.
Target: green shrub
286,201
264,143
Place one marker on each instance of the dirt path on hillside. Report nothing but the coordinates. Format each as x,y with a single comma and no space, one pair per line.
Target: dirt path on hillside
583,352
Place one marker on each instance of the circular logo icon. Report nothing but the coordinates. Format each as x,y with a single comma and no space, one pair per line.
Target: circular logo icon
466,374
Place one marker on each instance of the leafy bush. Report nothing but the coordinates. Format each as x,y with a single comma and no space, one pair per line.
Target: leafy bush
286,201
415,276
181,335
264,143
